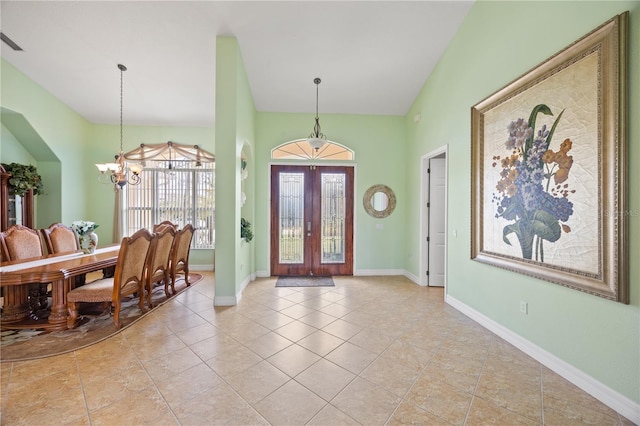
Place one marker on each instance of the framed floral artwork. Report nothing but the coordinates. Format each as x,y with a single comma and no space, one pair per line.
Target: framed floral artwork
549,171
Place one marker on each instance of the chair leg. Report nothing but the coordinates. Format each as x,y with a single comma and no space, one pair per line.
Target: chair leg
186,275
72,308
168,282
149,291
173,283
116,312
141,298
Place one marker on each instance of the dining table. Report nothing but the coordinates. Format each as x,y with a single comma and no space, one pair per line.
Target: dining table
60,270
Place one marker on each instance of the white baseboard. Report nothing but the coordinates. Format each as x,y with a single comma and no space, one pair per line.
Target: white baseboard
378,272
412,277
600,391
201,267
246,282
262,274
225,301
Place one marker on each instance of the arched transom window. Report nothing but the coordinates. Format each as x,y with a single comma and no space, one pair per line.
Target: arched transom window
301,150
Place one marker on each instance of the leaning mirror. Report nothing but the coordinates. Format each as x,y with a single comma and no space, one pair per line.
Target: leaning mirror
379,201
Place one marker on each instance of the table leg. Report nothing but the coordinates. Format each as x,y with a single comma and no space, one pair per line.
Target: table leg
16,303
58,316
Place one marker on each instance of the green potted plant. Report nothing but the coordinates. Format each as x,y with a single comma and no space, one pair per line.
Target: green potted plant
245,230
23,178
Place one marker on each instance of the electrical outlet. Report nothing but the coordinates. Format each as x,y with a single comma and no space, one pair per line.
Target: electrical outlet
524,307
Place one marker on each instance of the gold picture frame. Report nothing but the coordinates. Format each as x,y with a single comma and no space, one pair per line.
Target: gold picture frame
549,169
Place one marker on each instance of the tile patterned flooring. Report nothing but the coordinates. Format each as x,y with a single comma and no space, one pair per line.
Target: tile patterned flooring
369,351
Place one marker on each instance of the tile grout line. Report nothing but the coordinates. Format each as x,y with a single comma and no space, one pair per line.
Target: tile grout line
402,398
475,388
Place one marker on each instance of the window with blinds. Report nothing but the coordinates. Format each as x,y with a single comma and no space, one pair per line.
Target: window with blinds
175,190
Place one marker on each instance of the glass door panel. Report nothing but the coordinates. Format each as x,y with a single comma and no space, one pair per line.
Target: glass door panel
333,218
291,218
311,220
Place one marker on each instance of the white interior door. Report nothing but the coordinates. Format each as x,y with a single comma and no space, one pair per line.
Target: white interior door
436,220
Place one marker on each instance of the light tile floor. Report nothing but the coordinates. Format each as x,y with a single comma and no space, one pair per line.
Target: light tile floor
369,351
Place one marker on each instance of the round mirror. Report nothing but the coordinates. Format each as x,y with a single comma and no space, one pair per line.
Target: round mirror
379,201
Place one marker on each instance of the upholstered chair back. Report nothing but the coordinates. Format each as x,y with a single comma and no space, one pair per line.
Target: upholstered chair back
165,223
158,267
180,255
20,242
132,261
60,238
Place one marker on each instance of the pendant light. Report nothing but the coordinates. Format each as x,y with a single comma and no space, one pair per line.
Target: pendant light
317,139
118,173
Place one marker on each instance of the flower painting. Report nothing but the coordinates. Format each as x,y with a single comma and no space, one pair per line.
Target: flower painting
549,169
533,193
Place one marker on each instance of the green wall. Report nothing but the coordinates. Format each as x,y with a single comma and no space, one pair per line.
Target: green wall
12,150
235,116
380,157
498,42
53,134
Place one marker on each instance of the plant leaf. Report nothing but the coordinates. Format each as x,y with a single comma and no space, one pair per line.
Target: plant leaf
546,226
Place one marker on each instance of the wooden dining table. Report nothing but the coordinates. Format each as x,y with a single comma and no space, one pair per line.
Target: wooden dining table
60,270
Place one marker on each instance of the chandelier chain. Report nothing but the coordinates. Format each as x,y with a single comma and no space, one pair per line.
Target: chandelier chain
122,69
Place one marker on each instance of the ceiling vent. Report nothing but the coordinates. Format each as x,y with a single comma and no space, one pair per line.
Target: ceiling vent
9,42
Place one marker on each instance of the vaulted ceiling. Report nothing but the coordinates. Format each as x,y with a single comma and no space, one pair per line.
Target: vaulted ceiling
372,56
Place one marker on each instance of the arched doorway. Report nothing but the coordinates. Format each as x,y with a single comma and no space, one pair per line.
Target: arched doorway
312,210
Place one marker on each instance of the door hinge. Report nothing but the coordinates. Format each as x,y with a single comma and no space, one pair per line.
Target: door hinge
427,273
429,170
427,239
428,205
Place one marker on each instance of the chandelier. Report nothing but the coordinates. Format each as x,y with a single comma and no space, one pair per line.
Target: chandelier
317,139
118,173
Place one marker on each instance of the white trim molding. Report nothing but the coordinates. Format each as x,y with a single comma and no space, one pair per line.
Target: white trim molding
600,391
225,300
202,268
379,272
413,278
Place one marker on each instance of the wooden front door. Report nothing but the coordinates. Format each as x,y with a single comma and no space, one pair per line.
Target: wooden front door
311,220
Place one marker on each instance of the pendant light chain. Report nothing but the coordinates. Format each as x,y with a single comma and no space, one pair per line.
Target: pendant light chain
317,82
122,70
317,134
118,172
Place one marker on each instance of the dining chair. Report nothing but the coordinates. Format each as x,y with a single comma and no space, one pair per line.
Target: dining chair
20,242
127,280
179,262
60,238
164,223
157,269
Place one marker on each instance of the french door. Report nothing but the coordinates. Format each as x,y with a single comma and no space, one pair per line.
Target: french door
311,220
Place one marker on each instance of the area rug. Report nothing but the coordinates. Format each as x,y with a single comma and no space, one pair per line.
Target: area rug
93,327
305,282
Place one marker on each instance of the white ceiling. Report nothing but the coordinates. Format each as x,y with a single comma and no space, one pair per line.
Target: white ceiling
372,56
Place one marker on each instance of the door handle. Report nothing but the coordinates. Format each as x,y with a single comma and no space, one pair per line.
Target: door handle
309,226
